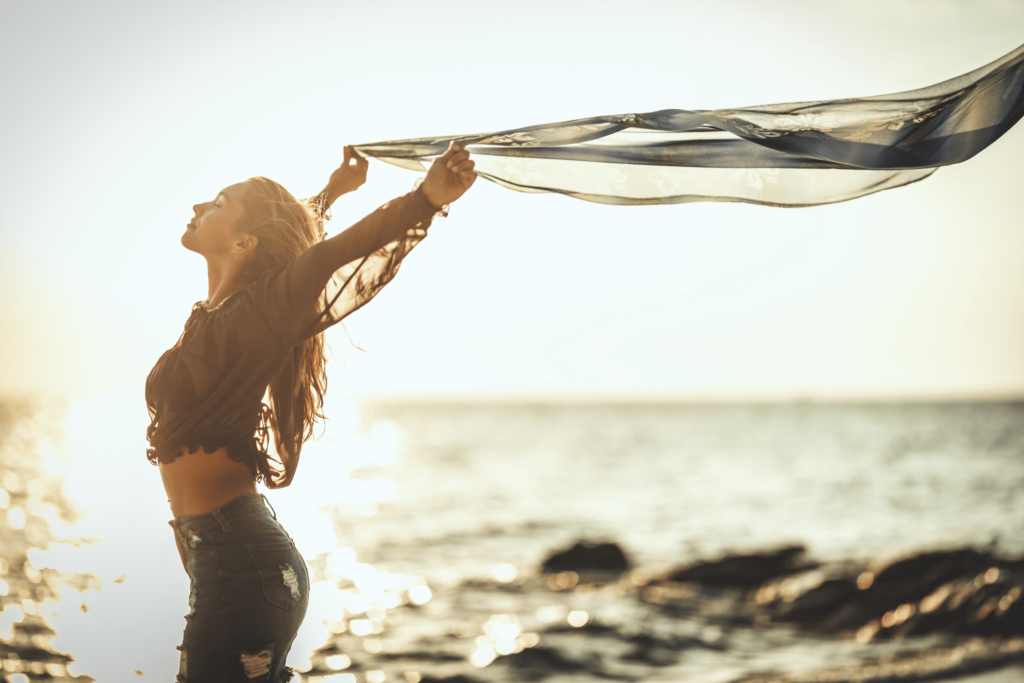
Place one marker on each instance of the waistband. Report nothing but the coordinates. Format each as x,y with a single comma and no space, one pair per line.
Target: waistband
244,506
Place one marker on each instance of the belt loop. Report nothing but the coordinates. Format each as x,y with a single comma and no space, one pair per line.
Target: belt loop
272,510
222,519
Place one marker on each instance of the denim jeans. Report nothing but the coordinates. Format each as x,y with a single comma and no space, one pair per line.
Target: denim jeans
248,594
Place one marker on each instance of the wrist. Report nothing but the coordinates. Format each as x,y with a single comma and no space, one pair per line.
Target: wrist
438,209
422,189
330,194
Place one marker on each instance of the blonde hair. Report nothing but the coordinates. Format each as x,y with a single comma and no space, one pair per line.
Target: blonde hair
287,227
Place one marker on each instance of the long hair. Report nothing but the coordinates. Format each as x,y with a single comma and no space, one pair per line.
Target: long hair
287,227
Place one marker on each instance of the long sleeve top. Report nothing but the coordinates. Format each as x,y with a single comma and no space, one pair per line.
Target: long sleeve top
207,391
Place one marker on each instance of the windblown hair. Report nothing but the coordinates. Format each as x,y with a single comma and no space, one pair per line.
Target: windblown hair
287,227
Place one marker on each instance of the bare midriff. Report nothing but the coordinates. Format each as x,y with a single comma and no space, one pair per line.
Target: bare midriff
199,483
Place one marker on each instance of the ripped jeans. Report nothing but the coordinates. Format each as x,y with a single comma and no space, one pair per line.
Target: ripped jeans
249,594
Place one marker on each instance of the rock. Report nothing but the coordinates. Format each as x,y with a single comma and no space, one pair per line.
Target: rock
545,658
817,603
605,557
905,582
536,663
745,570
592,628
654,651
419,655
961,591
988,604
912,578
848,616
936,663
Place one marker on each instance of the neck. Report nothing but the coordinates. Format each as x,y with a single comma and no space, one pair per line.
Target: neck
223,280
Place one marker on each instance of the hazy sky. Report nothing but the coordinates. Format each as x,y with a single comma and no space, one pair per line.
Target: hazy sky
117,117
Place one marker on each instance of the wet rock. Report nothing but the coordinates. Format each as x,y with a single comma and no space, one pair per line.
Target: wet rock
745,570
818,603
536,663
910,579
458,678
974,655
603,557
989,604
898,587
659,651
653,651
546,658
591,628
960,591
419,655
847,617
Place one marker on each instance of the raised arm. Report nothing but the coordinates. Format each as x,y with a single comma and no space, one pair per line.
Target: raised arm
346,178
449,177
351,267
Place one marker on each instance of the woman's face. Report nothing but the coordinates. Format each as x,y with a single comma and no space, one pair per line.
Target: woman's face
211,232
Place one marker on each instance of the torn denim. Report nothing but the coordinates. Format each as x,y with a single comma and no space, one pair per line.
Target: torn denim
248,596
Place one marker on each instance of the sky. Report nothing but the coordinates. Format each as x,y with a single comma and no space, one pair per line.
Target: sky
119,116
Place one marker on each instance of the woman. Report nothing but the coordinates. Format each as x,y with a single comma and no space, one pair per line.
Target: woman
274,286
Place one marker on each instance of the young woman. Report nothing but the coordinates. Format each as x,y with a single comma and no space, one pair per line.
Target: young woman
275,285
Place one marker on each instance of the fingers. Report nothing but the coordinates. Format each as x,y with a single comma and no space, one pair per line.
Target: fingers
463,166
453,149
352,158
456,159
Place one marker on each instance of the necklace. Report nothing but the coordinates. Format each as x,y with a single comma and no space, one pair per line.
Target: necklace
210,309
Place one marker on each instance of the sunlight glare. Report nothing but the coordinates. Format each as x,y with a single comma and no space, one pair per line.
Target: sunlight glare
338,662
504,573
419,595
360,627
482,656
578,618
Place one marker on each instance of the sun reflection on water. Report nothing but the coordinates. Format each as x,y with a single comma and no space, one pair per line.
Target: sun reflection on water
92,564
373,528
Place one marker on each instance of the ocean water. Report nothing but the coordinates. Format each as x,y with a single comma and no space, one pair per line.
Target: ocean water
425,526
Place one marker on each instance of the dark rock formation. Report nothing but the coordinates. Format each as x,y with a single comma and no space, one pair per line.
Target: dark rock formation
536,663
911,579
961,591
745,570
819,602
604,557
987,605
932,664
546,659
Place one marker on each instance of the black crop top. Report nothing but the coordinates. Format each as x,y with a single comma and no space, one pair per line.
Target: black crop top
207,391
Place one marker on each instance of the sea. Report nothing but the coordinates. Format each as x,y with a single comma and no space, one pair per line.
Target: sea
425,525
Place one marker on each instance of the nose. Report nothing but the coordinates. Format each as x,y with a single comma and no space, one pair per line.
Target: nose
195,209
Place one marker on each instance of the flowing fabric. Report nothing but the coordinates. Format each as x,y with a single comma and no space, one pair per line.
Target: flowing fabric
790,155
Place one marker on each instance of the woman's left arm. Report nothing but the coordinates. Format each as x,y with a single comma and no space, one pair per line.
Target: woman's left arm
448,178
368,253
348,177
